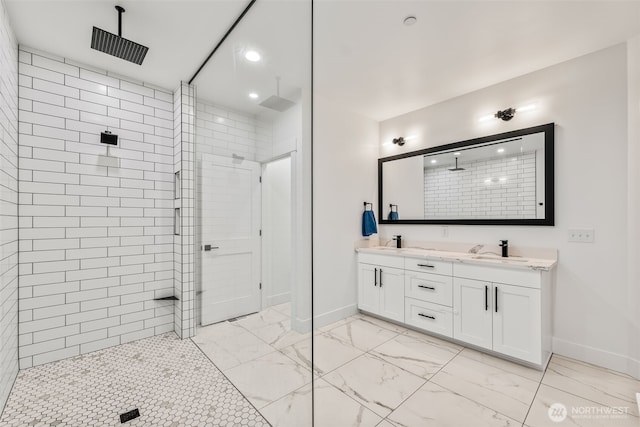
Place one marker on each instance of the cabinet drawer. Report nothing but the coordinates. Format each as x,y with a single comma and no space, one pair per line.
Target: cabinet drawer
428,316
382,260
429,287
512,276
429,266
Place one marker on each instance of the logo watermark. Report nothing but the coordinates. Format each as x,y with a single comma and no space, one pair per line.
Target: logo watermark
559,412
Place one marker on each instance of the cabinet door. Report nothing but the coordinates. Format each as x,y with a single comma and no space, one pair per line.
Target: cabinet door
472,315
368,291
517,322
391,284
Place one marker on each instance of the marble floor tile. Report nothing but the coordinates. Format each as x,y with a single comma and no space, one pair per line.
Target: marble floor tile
415,354
434,340
284,308
327,328
515,368
218,331
333,409
502,391
330,353
382,323
434,406
229,351
261,319
378,385
268,378
592,382
362,334
279,335
579,412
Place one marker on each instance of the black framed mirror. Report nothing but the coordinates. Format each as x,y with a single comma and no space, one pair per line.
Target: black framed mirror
502,179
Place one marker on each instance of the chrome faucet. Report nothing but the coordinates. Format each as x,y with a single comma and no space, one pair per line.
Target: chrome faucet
475,249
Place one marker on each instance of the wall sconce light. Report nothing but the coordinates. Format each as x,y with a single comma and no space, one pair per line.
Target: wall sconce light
506,115
400,141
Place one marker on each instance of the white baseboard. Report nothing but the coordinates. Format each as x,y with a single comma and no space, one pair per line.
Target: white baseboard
278,299
329,317
320,320
596,356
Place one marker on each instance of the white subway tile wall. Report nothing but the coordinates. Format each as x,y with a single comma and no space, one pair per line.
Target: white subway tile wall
8,206
225,132
183,243
96,225
187,203
494,188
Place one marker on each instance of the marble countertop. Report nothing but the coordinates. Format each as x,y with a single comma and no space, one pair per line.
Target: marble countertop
487,259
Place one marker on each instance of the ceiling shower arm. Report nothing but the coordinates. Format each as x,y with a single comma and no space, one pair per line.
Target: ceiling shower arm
120,10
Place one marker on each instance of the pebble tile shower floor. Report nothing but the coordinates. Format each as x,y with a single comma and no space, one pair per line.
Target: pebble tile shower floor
168,379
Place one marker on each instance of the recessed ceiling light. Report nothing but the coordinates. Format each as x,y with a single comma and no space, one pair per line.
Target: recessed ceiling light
434,161
253,95
457,153
500,150
252,55
410,20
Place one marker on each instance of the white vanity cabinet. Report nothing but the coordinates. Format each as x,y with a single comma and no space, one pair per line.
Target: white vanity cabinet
499,308
428,291
381,286
503,317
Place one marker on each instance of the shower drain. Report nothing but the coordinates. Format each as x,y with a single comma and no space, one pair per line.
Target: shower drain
128,416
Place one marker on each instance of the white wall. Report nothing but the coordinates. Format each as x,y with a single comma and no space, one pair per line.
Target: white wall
587,99
96,230
345,167
8,206
633,194
276,231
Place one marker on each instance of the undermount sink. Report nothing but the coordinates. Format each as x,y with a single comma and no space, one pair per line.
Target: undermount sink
497,258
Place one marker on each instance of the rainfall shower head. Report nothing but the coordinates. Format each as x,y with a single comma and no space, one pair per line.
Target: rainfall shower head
118,46
275,102
456,168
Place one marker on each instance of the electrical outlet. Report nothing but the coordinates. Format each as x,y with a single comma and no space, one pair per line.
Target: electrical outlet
582,235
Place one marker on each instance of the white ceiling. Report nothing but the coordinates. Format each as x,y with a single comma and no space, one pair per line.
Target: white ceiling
365,59
381,68
179,34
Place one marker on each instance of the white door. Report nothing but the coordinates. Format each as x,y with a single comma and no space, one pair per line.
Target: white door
391,284
517,322
472,316
231,227
368,291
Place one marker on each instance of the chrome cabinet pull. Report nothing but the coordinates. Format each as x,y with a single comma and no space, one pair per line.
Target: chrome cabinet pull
427,316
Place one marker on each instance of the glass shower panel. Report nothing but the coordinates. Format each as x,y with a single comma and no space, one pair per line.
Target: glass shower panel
252,245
